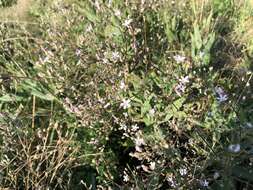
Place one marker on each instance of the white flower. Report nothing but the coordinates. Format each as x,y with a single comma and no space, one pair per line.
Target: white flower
139,141
183,171
216,175
221,95
201,54
184,80
180,89
78,52
125,177
123,126
127,22
219,90
235,148
110,3
97,5
248,125
125,114
152,165
145,168
135,127
125,104
105,60
172,182
117,13
138,148
89,28
222,98
204,183
179,58
115,56
151,112
106,105
122,85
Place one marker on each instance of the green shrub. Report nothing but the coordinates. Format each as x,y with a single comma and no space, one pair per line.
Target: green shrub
138,94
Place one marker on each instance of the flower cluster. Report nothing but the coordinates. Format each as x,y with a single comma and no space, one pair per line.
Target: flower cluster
180,88
221,95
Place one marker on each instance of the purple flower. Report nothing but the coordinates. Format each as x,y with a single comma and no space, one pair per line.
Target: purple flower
221,95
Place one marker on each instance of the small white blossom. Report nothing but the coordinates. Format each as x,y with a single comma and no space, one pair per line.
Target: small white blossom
135,127
222,98
110,3
122,85
216,175
138,148
125,104
127,22
139,141
180,89
117,13
235,148
97,5
115,56
152,165
204,183
221,95
219,90
183,171
105,60
145,168
201,54
78,52
179,58
172,182
106,105
123,126
248,125
151,112
89,28
125,114
125,177
184,80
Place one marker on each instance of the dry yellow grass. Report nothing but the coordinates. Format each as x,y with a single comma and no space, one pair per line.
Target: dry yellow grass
16,12
247,24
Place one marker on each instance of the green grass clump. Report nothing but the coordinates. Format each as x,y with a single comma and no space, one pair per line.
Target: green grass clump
127,95
7,3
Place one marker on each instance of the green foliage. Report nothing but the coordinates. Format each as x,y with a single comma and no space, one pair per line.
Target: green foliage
7,3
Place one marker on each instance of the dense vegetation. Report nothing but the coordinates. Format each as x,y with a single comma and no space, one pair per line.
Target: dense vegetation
7,3
127,94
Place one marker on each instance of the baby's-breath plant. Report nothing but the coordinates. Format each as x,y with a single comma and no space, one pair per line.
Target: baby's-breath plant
126,94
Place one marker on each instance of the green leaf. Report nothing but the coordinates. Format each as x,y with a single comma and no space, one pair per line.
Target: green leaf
11,98
207,22
111,31
178,103
148,121
90,14
145,107
209,44
44,96
135,80
169,115
37,90
197,37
